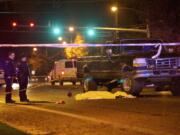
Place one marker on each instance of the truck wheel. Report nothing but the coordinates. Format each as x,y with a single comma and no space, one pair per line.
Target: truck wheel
175,88
132,86
89,85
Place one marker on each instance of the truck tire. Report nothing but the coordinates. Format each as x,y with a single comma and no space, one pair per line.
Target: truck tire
175,88
89,85
132,86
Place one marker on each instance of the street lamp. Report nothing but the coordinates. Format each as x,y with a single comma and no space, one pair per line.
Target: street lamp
35,49
114,8
71,29
60,38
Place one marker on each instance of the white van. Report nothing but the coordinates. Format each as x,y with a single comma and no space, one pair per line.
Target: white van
64,70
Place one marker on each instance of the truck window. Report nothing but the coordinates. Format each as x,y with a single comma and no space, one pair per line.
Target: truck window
68,64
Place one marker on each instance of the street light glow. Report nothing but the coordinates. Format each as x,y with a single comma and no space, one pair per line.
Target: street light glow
35,49
60,38
71,29
114,8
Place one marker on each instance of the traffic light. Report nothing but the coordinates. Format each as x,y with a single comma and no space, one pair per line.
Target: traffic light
90,32
56,31
14,24
31,24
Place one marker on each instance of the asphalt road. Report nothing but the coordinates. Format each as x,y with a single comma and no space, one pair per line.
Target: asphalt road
154,113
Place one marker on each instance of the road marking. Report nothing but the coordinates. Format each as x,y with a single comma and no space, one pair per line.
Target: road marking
95,120
36,85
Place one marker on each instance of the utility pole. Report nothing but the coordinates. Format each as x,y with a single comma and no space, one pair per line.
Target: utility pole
148,29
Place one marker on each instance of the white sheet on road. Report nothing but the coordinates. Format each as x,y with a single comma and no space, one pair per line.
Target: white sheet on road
90,95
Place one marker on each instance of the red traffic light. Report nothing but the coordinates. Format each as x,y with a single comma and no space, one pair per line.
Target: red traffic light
14,24
31,24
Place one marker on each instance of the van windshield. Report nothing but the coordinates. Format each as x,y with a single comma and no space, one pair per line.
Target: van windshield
68,64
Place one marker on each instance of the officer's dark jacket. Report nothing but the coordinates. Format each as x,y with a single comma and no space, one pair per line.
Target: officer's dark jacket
9,68
23,70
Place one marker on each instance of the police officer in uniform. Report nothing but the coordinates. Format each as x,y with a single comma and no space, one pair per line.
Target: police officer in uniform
23,77
9,74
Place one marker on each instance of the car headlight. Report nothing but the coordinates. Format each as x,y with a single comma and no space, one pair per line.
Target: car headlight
139,62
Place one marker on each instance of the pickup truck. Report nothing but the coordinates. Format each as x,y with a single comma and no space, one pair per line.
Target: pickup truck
132,67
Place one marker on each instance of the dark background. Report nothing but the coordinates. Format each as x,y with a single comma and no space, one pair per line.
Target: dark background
162,16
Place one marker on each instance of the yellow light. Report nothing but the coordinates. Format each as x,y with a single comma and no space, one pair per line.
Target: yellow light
114,8
62,72
35,49
60,38
71,29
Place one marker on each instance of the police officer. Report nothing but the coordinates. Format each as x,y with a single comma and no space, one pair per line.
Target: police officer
23,77
9,74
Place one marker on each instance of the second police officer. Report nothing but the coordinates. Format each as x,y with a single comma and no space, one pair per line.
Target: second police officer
23,78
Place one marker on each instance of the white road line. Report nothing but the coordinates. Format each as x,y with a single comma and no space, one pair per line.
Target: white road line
95,120
36,86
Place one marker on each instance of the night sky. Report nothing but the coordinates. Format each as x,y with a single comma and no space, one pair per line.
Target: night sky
163,18
62,13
